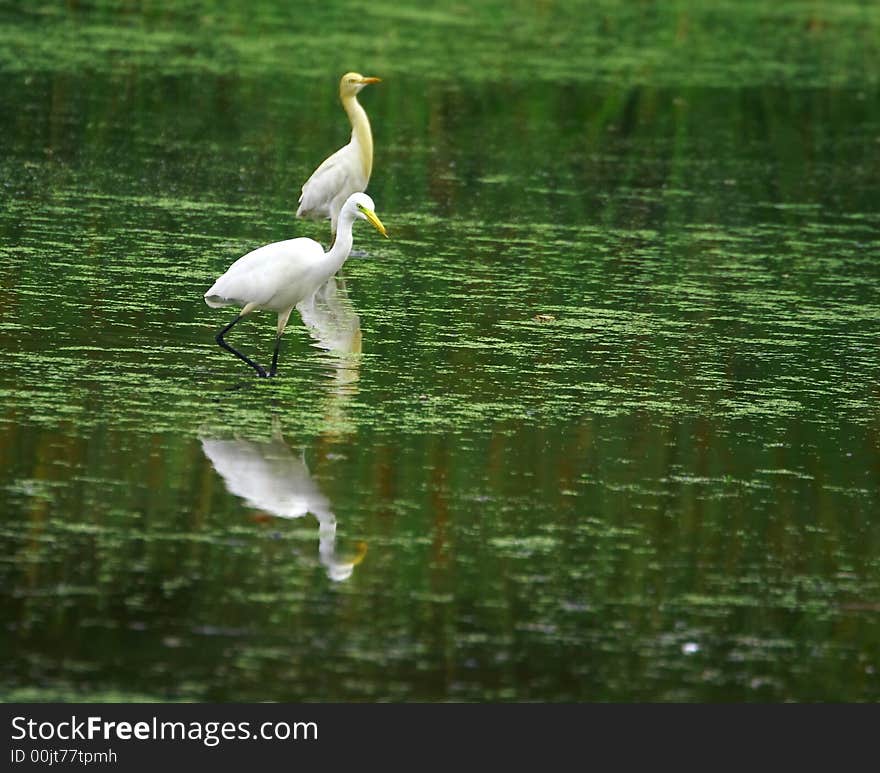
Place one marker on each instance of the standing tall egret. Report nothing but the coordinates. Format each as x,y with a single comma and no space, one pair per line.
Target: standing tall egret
348,170
285,275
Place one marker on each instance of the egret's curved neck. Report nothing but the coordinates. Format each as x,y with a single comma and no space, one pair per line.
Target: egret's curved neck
360,131
341,249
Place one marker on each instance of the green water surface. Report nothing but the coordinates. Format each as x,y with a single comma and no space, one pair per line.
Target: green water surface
599,422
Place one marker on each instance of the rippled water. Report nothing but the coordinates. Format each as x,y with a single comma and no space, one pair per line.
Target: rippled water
598,422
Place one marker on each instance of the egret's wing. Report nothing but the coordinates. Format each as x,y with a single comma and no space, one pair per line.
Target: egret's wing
337,174
259,276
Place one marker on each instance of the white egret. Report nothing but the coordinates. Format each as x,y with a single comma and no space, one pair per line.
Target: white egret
286,275
348,170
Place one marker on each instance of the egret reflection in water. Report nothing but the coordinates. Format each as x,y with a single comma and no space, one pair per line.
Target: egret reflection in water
268,475
336,327
270,478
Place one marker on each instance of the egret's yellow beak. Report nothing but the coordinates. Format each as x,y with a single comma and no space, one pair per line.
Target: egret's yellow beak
371,216
365,81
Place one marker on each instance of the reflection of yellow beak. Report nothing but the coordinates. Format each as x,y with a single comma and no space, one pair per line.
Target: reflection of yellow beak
361,552
371,216
365,81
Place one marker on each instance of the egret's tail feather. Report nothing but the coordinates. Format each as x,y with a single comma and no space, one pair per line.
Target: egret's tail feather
216,301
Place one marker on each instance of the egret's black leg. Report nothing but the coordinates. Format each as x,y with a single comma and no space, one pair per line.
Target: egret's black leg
256,366
283,316
275,356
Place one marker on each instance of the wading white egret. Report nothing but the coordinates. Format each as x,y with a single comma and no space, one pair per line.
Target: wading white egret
348,170
286,275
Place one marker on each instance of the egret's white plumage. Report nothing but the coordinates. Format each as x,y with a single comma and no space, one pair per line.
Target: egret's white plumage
348,170
285,275
276,276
